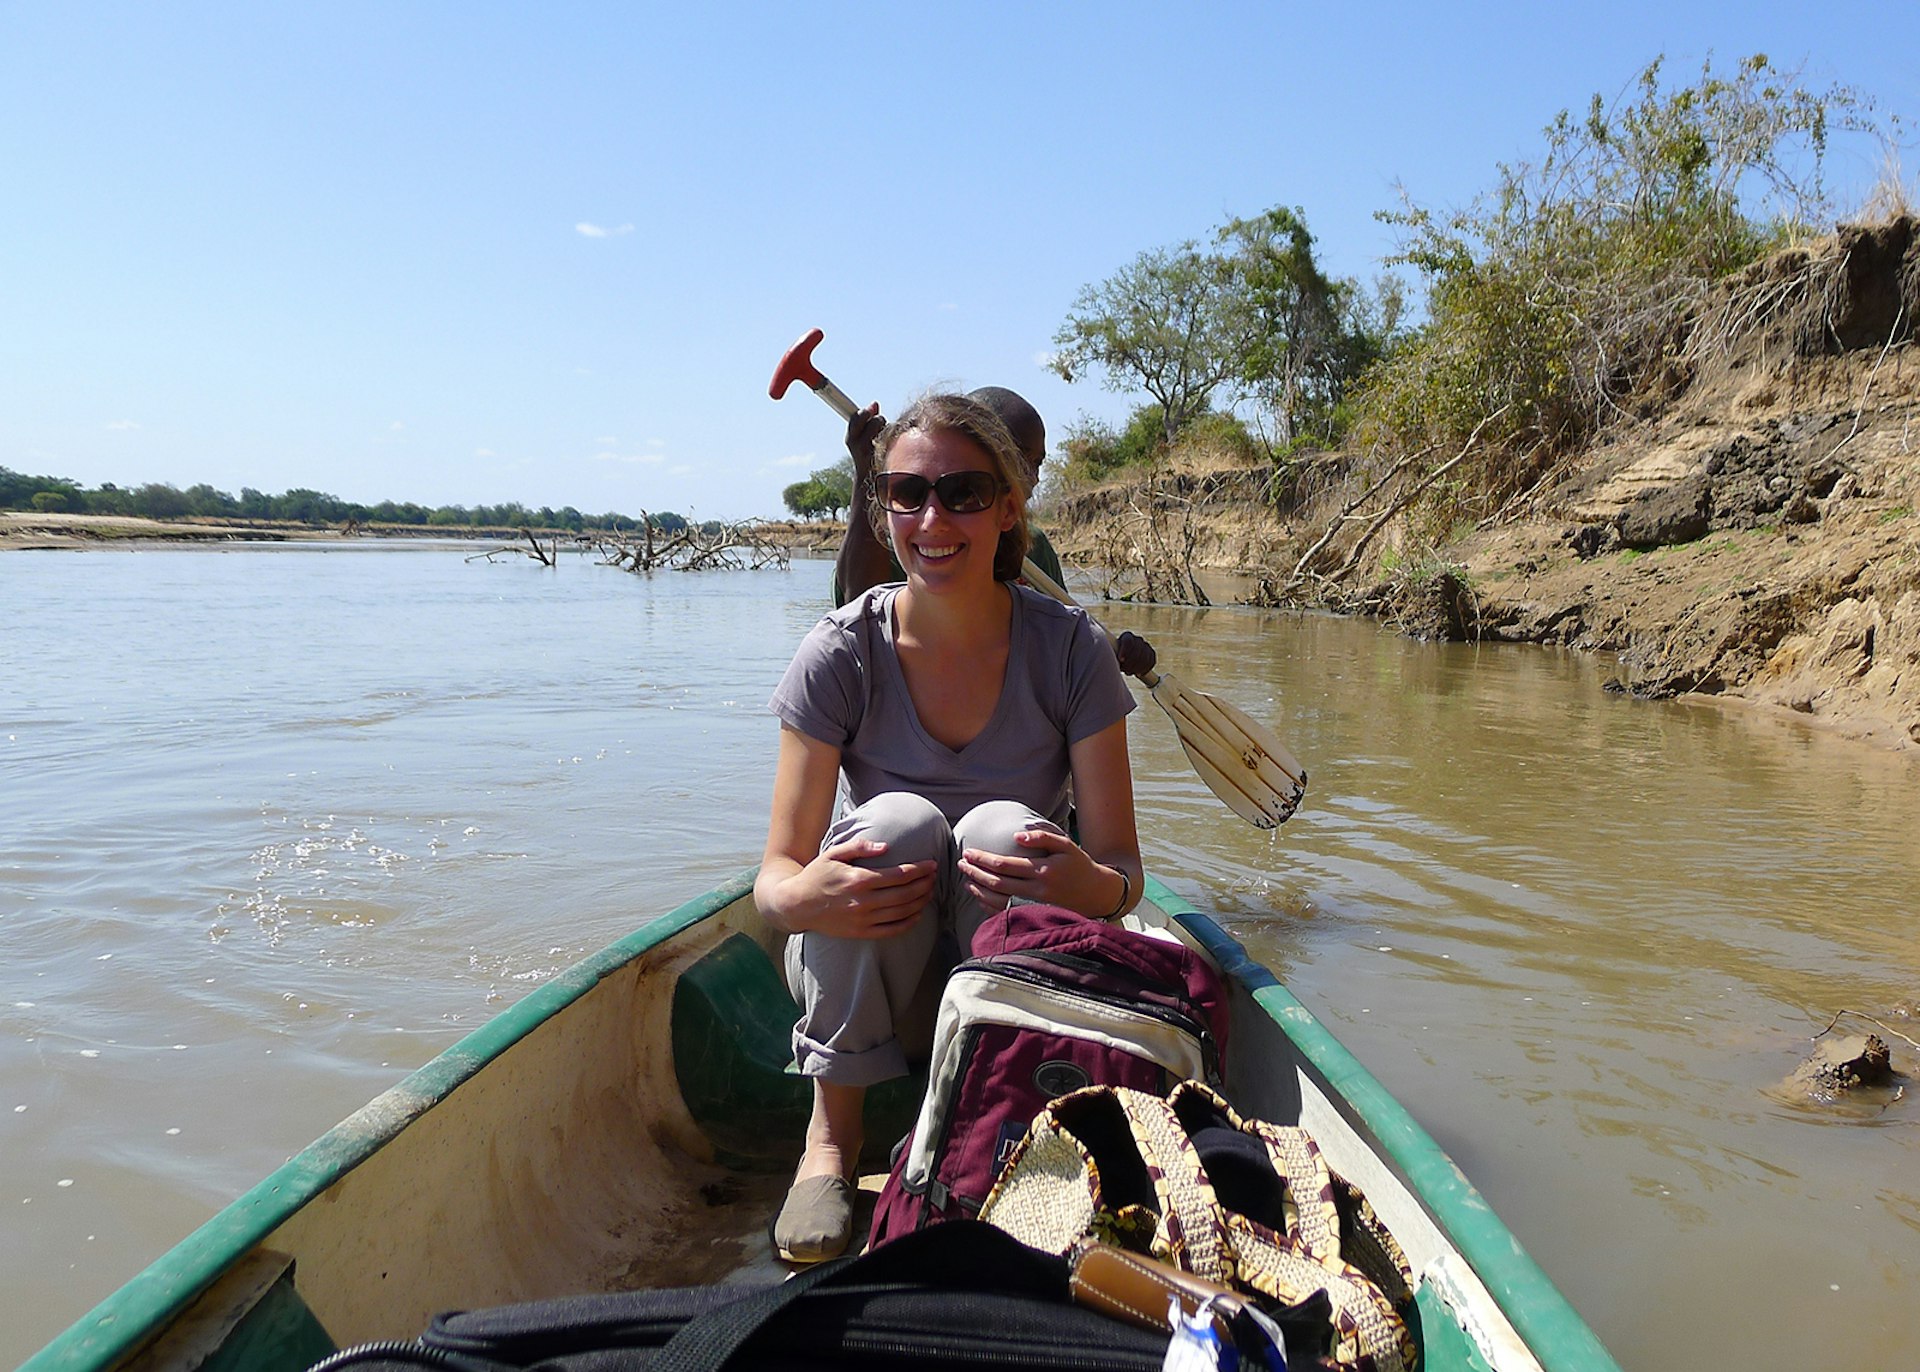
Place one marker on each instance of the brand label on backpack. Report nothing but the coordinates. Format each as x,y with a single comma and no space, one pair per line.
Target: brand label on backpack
1011,1132
1058,1077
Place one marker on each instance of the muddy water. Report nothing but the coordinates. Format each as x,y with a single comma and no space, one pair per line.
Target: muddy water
276,825
1579,937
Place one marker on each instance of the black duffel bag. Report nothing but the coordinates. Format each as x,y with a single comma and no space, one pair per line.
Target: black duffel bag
961,1295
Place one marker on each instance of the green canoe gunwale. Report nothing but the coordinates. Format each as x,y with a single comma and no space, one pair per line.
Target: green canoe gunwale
124,1321
1543,1317
127,1319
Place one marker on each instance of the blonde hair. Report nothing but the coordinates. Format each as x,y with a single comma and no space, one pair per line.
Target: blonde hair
979,425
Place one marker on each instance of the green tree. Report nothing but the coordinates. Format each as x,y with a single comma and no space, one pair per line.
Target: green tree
836,486
1290,363
307,506
157,500
1311,336
203,501
1173,323
21,492
803,499
1556,297
826,493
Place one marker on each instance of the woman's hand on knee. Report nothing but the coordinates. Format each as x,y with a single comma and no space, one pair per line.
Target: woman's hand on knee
1053,869
844,898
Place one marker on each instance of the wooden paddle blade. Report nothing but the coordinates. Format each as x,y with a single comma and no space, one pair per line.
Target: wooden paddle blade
1256,813
1203,719
1231,722
1239,758
1241,761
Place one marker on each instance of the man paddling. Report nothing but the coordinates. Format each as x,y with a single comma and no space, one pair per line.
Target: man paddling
865,561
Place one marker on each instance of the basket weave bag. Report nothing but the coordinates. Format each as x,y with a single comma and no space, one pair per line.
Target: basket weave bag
1123,1167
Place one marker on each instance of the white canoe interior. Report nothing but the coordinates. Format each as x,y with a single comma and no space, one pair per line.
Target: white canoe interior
572,1163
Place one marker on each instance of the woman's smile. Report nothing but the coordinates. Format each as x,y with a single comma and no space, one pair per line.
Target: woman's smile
933,538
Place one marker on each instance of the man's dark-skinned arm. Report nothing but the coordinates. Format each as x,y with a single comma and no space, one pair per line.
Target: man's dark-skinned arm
864,561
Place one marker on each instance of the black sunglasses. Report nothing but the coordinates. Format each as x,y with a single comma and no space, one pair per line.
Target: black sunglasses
959,492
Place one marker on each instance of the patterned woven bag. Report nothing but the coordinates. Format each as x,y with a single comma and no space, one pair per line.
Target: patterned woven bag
1129,1168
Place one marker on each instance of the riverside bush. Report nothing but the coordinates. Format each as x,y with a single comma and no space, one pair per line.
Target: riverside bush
1563,295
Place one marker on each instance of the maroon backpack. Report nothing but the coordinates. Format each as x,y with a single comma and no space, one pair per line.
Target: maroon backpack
1050,1001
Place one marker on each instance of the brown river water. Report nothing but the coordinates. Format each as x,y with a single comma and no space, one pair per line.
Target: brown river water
279,824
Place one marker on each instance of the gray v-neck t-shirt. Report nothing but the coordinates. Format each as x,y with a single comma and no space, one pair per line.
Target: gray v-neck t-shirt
845,688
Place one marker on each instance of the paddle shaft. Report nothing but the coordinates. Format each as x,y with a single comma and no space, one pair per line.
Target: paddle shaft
1233,748
1040,581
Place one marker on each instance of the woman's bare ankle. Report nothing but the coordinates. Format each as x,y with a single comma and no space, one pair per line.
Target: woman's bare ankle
834,1133
828,1160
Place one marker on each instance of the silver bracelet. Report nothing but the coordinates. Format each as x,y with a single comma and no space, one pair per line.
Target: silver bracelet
1126,890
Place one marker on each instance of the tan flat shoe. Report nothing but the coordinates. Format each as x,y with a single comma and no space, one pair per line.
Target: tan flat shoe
816,1222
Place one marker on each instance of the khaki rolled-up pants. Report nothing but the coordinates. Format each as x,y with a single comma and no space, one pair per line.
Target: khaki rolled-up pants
867,1005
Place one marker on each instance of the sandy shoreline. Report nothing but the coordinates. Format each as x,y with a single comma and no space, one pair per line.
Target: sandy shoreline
19,529
23,529
31,530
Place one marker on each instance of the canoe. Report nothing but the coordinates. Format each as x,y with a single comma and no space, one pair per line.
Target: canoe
632,1123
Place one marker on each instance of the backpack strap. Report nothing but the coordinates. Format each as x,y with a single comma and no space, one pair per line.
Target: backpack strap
960,1255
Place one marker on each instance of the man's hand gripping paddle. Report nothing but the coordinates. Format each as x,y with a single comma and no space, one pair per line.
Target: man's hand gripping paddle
1239,758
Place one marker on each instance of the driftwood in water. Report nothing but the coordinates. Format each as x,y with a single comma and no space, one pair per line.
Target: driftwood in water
648,547
548,556
691,548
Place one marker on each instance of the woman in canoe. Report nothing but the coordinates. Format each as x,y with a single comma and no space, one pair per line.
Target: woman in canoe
962,715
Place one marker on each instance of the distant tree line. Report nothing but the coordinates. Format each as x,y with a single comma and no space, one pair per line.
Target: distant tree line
157,500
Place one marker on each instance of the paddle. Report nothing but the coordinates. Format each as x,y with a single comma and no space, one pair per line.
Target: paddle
1238,758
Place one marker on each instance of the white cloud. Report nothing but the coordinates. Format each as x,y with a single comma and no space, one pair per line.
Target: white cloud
120,424
485,452
396,426
1043,360
608,441
684,469
656,442
948,306
647,458
587,230
797,460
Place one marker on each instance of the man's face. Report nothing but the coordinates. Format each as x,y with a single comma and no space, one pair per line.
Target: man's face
1033,448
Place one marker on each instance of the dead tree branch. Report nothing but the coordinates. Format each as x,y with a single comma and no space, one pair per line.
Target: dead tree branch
1412,493
712,546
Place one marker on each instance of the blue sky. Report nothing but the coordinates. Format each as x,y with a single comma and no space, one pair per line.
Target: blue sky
482,252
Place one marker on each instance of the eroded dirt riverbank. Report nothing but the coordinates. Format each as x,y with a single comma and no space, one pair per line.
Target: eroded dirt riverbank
1750,531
